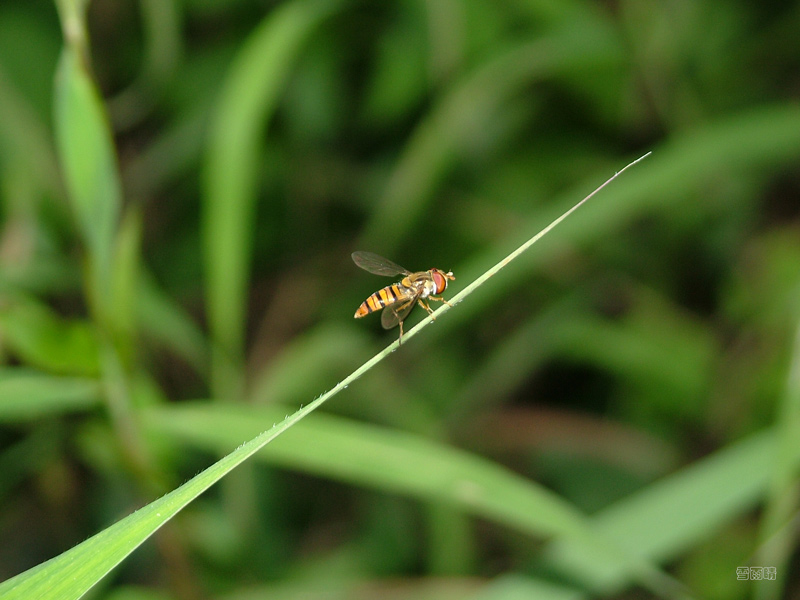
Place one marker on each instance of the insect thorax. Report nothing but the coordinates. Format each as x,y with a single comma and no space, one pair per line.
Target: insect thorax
428,288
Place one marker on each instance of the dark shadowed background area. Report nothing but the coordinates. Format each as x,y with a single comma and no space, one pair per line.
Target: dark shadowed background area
175,277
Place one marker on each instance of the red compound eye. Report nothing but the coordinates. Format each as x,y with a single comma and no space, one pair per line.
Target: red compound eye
439,280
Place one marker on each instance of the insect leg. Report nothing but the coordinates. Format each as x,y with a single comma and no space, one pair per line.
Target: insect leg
440,299
426,307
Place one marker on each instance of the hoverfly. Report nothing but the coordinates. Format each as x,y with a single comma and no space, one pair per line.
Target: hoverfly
399,298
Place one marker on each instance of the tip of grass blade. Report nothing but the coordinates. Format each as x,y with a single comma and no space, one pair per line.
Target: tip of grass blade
496,268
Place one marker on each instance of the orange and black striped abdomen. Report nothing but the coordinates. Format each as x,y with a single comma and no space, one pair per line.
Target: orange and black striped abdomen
388,295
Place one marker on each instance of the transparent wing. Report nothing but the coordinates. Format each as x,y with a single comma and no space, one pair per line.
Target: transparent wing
377,264
394,313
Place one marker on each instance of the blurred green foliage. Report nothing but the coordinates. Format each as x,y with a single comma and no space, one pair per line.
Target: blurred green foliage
182,184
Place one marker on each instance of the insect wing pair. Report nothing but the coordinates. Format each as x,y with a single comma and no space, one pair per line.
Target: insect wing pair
398,299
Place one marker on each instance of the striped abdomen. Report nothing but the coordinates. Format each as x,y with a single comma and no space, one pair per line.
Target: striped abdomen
388,295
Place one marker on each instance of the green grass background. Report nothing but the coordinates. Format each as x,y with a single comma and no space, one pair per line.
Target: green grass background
615,414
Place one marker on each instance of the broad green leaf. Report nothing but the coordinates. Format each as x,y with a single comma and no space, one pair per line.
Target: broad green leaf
88,161
40,338
27,395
